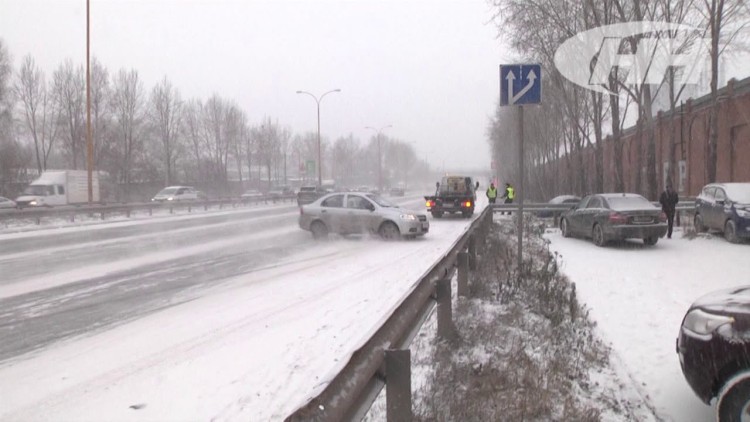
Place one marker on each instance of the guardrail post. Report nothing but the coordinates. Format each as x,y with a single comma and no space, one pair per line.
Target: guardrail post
72,218
102,215
190,208
127,213
171,210
150,211
463,274
472,252
38,221
398,385
446,330
205,206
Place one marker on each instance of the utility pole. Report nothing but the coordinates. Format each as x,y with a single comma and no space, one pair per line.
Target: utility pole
380,156
89,141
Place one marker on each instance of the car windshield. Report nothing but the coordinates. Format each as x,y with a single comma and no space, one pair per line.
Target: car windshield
36,190
629,203
738,193
168,191
381,201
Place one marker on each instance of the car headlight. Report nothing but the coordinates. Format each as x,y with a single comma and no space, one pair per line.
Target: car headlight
32,203
701,322
409,217
743,213
170,198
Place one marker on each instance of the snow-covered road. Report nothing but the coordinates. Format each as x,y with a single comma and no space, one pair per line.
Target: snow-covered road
638,296
242,318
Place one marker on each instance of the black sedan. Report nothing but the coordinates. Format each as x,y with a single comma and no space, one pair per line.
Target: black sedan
615,216
715,353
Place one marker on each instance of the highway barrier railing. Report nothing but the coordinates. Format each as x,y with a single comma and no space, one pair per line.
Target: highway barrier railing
385,357
70,212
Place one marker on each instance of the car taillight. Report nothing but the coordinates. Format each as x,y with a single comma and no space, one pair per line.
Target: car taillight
663,217
467,204
430,204
617,218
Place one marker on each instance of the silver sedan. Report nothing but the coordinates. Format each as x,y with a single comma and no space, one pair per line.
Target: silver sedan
353,213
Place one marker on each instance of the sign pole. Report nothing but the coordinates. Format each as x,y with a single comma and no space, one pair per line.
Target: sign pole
520,192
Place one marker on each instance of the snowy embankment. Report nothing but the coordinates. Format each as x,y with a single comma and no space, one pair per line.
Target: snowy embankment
252,347
638,296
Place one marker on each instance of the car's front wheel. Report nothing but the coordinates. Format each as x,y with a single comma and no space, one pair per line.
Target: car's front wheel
730,232
564,228
389,231
734,402
319,230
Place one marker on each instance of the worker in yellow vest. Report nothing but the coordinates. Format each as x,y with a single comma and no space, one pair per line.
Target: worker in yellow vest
492,193
509,194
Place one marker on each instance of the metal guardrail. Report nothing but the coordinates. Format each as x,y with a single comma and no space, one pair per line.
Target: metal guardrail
103,210
385,357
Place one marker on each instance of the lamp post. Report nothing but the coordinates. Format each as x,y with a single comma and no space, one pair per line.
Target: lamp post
380,165
317,101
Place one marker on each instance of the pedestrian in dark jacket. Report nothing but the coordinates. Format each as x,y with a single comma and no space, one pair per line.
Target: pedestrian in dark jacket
668,201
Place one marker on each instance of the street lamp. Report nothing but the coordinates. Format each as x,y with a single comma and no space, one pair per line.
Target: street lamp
317,101
380,165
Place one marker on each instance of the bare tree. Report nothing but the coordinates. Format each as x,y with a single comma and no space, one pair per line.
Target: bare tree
166,117
69,96
38,111
128,103
100,112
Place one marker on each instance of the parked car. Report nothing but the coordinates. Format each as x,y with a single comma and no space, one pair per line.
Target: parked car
614,216
724,207
562,199
280,192
177,194
6,203
251,195
353,213
714,351
308,194
398,192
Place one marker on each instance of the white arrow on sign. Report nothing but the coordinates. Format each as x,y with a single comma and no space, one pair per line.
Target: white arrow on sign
531,77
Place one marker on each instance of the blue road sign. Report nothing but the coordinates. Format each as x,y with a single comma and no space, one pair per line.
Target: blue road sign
520,84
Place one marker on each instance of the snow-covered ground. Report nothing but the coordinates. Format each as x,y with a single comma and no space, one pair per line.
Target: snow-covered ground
638,296
247,342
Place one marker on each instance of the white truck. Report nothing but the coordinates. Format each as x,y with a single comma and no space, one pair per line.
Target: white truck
60,187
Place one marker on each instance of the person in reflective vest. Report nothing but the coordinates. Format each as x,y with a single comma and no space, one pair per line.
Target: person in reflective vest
509,194
492,193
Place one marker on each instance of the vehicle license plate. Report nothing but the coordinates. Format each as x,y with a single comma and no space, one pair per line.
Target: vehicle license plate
642,219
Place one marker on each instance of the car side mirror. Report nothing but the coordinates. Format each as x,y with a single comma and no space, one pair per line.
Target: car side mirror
371,207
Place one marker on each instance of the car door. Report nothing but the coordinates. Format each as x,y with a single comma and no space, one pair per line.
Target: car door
359,213
333,213
590,213
703,203
575,217
717,209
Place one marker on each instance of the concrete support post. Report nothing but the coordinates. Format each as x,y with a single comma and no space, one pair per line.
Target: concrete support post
446,330
472,249
463,274
398,385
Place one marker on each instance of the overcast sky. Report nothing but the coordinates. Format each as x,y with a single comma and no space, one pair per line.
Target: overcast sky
429,68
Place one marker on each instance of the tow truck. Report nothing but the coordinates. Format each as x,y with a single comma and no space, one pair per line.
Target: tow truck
454,194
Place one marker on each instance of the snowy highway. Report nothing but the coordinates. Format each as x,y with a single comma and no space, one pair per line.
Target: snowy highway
236,314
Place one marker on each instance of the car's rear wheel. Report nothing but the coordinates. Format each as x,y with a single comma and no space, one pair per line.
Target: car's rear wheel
564,228
730,232
389,231
319,230
651,241
437,214
597,235
698,223
734,402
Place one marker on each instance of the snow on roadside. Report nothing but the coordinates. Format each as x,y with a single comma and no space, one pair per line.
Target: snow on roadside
638,296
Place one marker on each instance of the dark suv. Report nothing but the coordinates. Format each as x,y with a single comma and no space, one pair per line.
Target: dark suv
714,350
724,207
